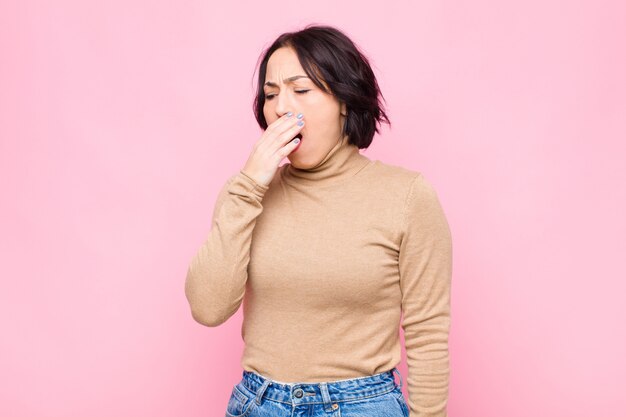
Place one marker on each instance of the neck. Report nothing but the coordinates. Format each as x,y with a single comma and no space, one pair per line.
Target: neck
342,162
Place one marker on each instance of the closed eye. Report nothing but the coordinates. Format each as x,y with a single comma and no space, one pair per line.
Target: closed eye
271,96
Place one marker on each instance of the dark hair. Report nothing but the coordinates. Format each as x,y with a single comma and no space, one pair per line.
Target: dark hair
327,53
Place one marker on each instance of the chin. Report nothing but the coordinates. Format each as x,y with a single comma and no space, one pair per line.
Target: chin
295,161
301,163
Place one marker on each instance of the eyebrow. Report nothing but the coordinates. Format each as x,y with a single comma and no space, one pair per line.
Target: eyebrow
287,80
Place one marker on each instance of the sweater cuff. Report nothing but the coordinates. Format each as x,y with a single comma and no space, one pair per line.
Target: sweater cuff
250,185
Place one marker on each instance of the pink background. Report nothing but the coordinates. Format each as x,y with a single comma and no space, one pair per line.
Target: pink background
120,121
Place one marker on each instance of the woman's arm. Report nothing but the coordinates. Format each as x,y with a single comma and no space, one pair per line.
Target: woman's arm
217,275
425,261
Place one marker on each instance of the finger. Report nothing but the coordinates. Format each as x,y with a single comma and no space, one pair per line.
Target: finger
280,122
289,147
268,139
289,133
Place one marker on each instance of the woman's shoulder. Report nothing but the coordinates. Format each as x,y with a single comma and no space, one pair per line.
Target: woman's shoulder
387,181
392,174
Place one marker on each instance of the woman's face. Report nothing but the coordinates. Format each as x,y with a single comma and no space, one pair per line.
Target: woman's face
288,88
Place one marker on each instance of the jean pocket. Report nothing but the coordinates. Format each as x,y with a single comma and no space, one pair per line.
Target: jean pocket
402,402
240,403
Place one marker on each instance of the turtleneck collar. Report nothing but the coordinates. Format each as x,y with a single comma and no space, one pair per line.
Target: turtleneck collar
342,162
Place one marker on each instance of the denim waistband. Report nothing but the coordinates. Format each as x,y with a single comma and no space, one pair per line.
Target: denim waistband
329,392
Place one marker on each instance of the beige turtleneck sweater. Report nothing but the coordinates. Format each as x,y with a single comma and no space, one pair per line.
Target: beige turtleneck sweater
325,260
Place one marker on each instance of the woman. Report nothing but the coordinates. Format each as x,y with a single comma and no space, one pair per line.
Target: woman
326,251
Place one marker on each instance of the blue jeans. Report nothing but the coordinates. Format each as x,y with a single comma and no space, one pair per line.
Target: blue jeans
376,395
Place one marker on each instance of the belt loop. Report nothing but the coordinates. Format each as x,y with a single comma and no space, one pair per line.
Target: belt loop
325,396
261,391
399,376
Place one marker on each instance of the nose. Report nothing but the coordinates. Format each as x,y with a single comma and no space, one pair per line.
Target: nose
283,105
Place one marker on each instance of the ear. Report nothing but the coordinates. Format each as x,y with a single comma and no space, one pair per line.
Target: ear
343,109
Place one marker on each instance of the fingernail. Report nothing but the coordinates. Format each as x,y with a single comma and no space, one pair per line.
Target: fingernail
300,115
289,114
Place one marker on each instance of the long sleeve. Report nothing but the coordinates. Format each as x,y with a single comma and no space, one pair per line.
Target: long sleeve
425,263
217,274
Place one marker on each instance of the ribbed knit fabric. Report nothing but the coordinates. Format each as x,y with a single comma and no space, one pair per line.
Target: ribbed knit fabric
325,260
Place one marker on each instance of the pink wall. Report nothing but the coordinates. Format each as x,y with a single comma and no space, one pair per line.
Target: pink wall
120,120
